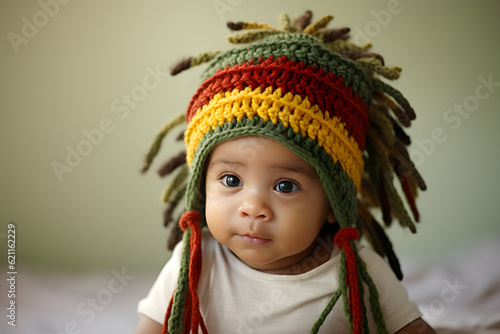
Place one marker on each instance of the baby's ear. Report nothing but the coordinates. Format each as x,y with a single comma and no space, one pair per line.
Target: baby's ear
331,217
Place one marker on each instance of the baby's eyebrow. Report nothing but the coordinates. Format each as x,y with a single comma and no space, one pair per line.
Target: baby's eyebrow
298,169
226,162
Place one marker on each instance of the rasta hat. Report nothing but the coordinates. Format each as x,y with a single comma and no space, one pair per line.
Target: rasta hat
324,98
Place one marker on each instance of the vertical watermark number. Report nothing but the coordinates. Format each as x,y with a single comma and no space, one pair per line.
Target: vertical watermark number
11,274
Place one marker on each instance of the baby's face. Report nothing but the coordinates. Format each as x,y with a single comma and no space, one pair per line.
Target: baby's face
264,202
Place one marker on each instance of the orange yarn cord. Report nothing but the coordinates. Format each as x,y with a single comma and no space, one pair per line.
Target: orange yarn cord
167,316
342,240
193,318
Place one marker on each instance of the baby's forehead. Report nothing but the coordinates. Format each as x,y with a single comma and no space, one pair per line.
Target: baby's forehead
260,152
253,146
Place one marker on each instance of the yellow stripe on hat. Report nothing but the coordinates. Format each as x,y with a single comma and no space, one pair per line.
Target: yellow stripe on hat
291,110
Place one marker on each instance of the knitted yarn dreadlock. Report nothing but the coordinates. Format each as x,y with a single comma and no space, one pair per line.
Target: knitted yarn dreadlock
321,96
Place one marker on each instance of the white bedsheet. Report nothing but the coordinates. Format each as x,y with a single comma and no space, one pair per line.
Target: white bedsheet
459,293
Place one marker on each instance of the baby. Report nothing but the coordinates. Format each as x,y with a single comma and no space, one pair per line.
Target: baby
289,142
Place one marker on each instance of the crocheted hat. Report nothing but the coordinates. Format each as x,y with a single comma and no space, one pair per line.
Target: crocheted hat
313,91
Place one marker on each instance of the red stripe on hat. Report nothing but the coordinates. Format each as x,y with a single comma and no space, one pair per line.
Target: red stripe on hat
320,87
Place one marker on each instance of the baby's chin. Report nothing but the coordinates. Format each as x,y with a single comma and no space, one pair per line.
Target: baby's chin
266,264
256,261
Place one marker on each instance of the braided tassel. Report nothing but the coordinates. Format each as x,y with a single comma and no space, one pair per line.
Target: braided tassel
385,203
189,62
313,28
191,311
409,196
172,164
167,315
398,97
251,36
284,23
167,214
340,45
155,147
302,21
343,240
376,65
248,25
333,34
173,321
325,312
175,185
374,296
378,239
191,219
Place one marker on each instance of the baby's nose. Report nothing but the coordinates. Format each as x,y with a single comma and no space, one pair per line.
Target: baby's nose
256,207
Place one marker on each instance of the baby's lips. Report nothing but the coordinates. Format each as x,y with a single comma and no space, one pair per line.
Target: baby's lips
254,240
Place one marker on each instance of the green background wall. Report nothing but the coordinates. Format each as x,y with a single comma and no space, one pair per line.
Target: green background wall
71,73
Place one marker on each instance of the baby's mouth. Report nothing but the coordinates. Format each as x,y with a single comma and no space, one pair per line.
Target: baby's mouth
254,240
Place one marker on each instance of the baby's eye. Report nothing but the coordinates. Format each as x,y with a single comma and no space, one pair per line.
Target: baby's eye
286,187
231,181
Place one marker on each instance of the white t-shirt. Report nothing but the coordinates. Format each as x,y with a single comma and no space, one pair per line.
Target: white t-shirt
235,298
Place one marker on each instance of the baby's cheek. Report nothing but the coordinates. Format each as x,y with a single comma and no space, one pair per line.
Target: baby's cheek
216,209
211,189
210,209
